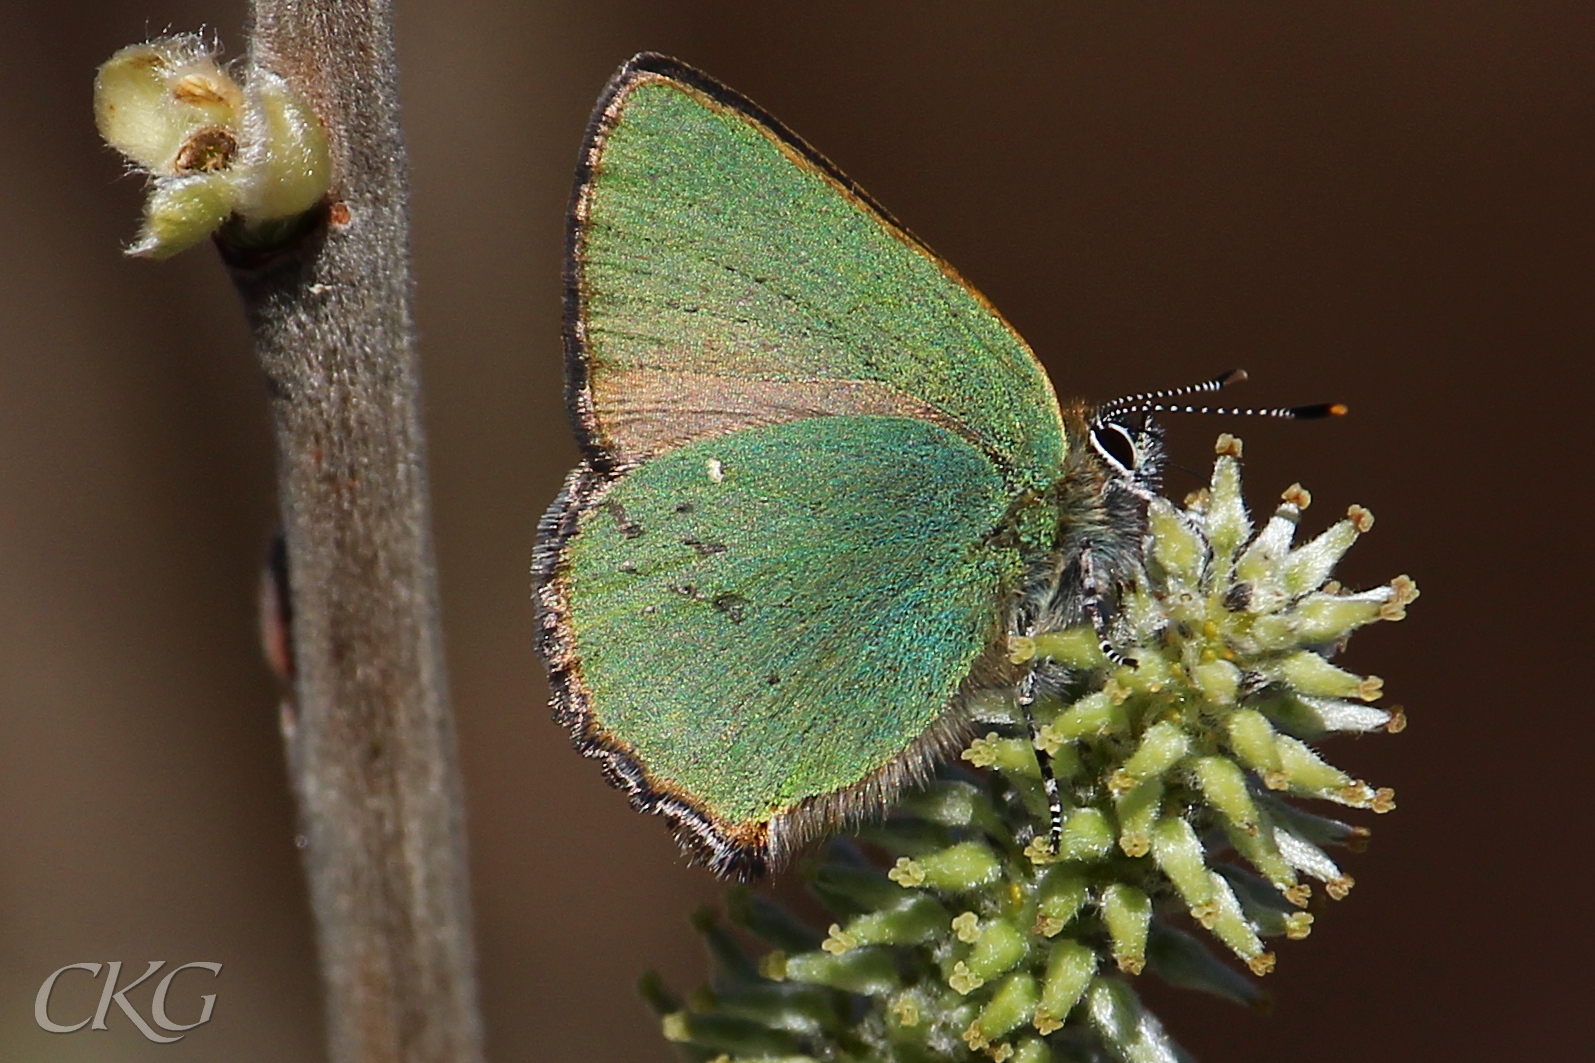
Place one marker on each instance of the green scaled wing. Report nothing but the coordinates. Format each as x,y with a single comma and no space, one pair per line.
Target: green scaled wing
722,274
764,595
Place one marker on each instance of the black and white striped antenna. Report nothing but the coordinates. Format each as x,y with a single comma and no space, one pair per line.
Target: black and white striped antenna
1160,402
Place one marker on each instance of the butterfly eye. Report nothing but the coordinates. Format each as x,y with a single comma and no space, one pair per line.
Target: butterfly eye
1114,443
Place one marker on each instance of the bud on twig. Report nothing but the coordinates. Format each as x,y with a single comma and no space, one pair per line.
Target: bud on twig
212,148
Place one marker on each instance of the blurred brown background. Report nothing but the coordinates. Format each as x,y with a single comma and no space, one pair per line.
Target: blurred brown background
1383,203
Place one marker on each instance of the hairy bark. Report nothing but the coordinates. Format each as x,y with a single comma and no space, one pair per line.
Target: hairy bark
372,748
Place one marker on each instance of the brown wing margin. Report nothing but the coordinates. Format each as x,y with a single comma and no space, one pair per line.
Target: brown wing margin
578,393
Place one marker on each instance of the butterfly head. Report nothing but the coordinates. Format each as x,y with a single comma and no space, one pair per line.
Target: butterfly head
1128,445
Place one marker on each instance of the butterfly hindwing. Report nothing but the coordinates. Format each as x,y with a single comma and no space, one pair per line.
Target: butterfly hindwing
761,645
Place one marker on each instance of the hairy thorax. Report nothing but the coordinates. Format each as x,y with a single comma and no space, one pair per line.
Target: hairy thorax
1095,549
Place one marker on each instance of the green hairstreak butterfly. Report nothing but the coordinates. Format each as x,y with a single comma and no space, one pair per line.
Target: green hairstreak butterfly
823,482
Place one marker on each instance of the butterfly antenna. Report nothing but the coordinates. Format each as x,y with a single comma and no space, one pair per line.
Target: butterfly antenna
1139,402
1160,402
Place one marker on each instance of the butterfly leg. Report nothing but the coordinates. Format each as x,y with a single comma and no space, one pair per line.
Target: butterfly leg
1093,595
1027,697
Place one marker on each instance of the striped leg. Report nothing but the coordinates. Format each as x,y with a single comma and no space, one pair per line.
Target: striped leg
1026,698
1092,596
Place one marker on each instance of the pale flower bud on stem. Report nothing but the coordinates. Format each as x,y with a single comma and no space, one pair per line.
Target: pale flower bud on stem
251,158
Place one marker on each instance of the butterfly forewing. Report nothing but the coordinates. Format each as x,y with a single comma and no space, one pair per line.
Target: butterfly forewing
724,275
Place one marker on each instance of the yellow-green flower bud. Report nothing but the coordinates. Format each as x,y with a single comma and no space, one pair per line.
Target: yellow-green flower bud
1060,896
1006,754
1306,771
1219,681
1337,714
1231,927
1179,854
1070,967
1094,714
950,804
1325,618
1161,747
1307,568
1227,523
1032,1050
870,971
1086,835
1224,786
1309,859
1074,647
1010,1007
1258,563
1138,810
1175,545
964,866
1252,738
1127,912
1308,673
1262,852
999,947
918,920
